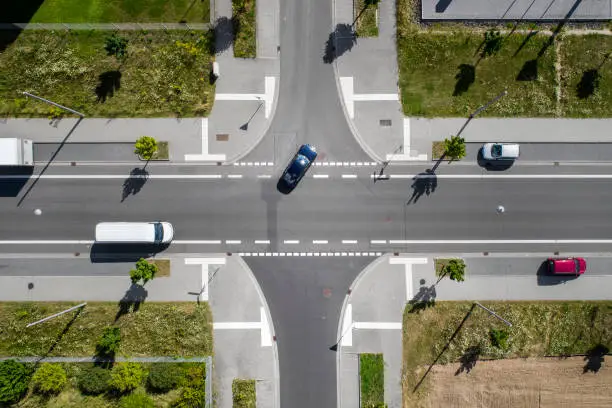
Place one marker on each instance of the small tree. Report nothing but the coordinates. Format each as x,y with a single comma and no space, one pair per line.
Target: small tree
454,147
93,380
49,379
492,43
136,400
144,271
455,268
117,46
108,344
499,338
371,3
14,378
146,147
126,377
164,377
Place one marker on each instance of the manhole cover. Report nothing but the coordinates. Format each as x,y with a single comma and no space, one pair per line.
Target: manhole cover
222,137
385,122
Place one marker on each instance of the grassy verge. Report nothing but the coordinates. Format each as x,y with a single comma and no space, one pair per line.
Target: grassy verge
163,267
366,19
440,263
162,153
586,76
106,11
164,74
372,380
437,149
193,375
155,329
243,392
245,28
444,75
539,329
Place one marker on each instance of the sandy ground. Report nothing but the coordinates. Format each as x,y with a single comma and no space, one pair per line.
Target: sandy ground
522,383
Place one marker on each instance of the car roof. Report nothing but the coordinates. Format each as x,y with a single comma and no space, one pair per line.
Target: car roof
510,149
308,151
298,164
564,265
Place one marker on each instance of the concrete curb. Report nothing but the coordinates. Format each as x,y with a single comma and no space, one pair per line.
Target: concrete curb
339,334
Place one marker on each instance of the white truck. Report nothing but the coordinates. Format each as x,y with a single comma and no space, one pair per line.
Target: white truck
16,152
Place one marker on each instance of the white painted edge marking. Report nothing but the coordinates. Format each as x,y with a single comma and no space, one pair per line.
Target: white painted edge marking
266,336
262,241
408,273
401,260
349,176
233,241
347,327
319,241
320,176
378,325
347,89
349,241
205,261
291,241
378,241
264,176
234,176
236,325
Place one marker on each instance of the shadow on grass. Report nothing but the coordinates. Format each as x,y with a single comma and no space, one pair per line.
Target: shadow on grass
529,71
595,358
110,81
465,78
588,83
61,335
468,359
423,299
131,301
341,40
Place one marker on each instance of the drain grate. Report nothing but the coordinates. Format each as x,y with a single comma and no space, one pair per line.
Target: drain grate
385,122
224,137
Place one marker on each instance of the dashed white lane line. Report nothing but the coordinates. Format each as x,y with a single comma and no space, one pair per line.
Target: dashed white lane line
315,254
320,241
291,241
262,241
349,176
234,176
264,176
320,176
349,241
233,241
378,241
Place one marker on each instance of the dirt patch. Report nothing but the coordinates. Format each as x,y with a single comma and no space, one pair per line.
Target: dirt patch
521,383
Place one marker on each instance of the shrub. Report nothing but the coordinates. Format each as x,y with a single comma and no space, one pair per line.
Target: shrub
455,268
499,338
243,392
136,401
454,147
146,146
116,45
144,271
190,398
14,378
126,377
164,377
108,344
93,380
49,379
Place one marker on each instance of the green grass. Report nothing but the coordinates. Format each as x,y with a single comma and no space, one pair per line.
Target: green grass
243,392
538,329
71,396
372,380
163,267
367,19
156,329
107,11
245,28
164,74
583,58
444,75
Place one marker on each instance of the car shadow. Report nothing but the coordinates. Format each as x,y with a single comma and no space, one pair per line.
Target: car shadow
121,252
493,165
283,188
13,178
546,279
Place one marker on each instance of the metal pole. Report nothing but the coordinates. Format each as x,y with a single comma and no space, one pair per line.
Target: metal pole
494,314
57,314
491,102
54,104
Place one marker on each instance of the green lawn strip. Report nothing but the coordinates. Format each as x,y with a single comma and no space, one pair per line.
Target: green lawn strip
440,263
163,267
586,76
245,28
107,11
243,392
156,329
372,380
72,397
367,19
538,329
165,74
444,75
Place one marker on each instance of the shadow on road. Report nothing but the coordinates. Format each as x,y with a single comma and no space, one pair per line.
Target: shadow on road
493,165
12,180
341,40
134,183
546,279
110,253
424,183
224,34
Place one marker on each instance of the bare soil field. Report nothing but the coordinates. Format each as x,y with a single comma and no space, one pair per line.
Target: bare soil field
520,383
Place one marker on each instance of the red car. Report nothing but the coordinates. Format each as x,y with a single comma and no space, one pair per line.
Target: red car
566,266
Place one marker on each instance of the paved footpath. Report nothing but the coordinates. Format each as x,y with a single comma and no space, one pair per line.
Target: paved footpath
371,320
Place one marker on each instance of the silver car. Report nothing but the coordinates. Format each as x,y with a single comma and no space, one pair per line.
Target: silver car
500,151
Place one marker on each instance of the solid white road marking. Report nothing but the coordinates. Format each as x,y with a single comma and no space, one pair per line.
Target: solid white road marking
198,242
291,241
266,336
349,241
204,156
267,98
378,325
408,262
230,241
378,241
204,263
350,97
319,241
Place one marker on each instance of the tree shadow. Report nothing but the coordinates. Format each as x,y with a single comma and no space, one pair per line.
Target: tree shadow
15,12
341,40
110,81
65,330
528,37
423,184
588,83
468,359
131,301
529,71
224,34
595,358
465,78
134,183
423,299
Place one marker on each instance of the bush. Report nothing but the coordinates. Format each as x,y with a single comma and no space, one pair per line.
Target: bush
126,377
455,268
164,377
116,45
49,379
190,398
94,380
454,147
14,378
136,401
144,271
499,338
492,43
243,392
146,146
108,344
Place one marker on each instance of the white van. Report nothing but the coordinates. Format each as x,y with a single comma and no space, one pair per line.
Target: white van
134,232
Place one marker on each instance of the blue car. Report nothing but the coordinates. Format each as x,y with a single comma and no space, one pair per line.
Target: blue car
297,168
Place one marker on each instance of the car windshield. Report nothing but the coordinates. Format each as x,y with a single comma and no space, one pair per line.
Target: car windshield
577,265
159,232
496,150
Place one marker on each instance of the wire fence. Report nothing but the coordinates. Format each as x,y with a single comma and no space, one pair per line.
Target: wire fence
105,26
